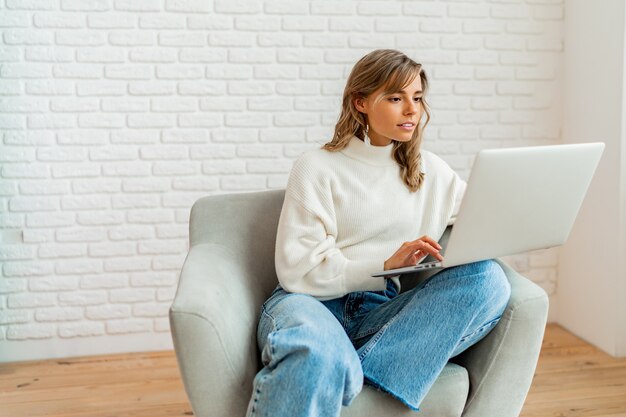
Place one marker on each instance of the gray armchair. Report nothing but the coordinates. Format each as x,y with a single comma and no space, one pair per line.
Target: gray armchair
228,274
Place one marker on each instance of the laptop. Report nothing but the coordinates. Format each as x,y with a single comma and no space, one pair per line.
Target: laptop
517,200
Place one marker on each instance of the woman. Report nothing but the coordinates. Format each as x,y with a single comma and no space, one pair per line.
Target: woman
329,326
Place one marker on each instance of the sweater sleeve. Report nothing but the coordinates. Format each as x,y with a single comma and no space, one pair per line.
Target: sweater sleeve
306,258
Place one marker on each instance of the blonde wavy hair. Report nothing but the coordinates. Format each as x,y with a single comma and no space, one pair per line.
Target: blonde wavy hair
391,70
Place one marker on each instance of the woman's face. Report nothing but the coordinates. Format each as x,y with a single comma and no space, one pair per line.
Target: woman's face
392,116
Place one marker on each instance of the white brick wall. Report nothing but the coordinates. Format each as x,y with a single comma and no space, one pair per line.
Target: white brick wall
116,115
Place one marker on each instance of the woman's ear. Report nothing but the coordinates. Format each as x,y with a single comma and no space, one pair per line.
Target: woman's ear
359,104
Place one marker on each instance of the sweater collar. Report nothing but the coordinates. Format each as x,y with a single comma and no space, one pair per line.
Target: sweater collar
370,154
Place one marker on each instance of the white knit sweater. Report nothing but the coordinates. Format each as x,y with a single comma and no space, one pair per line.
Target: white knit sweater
346,212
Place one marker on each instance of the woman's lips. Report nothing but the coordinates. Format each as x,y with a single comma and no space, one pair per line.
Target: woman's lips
407,126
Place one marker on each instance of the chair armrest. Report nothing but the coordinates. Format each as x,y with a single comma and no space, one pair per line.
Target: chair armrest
213,322
502,365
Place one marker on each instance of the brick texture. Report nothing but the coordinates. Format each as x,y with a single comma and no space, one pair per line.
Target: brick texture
115,115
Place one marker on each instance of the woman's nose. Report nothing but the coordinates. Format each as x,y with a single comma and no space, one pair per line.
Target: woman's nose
411,108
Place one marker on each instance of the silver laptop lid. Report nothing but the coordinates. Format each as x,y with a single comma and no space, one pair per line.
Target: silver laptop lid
521,199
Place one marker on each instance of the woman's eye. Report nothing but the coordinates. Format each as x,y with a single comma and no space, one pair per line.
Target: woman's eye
398,99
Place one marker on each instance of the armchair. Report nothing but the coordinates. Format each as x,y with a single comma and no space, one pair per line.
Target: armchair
228,274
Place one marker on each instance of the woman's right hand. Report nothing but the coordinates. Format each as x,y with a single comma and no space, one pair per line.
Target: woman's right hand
410,253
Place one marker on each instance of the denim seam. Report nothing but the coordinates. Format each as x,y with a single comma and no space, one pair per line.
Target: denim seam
490,323
391,320
257,387
274,329
264,305
379,334
270,342
367,333
267,313
346,319
257,394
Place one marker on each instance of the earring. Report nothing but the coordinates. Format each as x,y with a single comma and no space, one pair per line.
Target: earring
367,140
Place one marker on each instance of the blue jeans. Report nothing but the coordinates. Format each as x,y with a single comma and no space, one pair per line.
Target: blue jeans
317,354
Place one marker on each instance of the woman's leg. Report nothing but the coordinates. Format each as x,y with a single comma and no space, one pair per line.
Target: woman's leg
310,368
404,344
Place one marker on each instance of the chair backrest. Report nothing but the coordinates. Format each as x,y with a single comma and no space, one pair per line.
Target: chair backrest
246,224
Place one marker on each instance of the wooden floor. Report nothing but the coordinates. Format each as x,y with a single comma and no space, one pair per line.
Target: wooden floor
573,379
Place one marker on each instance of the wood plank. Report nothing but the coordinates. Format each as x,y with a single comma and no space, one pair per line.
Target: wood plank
94,398
84,364
581,407
32,384
153,411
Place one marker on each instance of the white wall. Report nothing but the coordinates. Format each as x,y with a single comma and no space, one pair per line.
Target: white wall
117,115
592,269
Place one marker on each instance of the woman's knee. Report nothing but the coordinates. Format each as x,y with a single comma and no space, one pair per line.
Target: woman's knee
307,350
312,346
290,310
302,328
285,310
491,283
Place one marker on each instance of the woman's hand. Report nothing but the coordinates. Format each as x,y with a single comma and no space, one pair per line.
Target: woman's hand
410,253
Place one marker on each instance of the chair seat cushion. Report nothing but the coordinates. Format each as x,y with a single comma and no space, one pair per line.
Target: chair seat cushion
446,398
